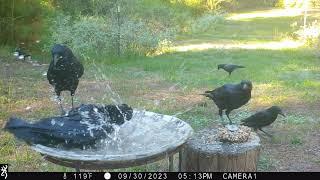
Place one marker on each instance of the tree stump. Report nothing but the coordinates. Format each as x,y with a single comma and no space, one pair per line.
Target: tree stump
204,152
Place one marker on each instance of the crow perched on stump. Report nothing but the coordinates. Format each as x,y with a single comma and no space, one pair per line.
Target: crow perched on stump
230,96
263,118
83,126
64,71
229,67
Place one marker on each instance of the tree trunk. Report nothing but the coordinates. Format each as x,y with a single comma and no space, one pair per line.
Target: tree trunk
199,155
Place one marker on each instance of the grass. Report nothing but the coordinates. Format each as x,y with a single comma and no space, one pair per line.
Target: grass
170,83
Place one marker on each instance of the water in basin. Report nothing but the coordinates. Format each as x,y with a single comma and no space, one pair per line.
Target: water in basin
146,134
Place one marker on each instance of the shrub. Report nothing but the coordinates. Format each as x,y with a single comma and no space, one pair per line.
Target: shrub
297,3
96,35
206,22
22,21
138,38
310,34
200,6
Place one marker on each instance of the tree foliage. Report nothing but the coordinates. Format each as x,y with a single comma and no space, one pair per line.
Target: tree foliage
22,20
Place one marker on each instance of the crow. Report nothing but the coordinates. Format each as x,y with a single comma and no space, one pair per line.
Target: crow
230,96
83,126
229,67
64,71
20,54
263,118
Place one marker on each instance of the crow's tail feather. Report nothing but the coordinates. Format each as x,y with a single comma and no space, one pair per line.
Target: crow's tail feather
24,131
207,95
209,92
240,66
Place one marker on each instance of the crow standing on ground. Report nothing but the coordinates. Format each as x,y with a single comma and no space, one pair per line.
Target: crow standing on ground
83,126
263,118
20,54
230,96
64,71
229,67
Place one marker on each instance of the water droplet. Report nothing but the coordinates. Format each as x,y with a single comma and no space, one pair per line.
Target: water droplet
53,122
61,123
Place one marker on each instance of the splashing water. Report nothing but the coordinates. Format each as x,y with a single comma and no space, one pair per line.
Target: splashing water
146,134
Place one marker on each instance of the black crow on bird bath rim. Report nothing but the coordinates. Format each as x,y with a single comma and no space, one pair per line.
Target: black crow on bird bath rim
263,118
229,67
83,126
64,71
230,96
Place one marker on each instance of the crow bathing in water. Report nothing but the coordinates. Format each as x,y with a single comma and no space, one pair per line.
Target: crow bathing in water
229,67
263,118
230,96
83,126
64,71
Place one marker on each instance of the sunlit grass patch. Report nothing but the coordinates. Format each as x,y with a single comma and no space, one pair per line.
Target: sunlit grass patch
273,45
273,13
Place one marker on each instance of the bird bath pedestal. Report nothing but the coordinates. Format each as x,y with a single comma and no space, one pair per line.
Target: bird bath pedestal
146,138
204,152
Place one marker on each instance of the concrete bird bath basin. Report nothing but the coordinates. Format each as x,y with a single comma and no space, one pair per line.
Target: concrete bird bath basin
146,138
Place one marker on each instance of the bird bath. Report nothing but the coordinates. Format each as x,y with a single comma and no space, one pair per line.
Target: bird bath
146,138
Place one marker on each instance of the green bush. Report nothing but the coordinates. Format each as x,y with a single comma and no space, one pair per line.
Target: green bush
138,38
206,22
22,21
315,3
95,35
310,34
297,3
200,6
147,27
236,5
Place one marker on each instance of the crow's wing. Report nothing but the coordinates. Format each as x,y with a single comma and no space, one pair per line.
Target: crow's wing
237,96
50,74
221,95
70,131
232,67
259,119
78,69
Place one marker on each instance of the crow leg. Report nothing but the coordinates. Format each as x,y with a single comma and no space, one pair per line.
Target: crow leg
265,132
227,113
220,114
72,101
61,108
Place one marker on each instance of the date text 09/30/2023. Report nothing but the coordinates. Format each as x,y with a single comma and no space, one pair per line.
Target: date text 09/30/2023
188,176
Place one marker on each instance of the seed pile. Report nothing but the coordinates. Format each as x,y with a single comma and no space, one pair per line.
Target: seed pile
239,136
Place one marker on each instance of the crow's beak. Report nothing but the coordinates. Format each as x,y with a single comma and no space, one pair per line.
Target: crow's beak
282,114
55,59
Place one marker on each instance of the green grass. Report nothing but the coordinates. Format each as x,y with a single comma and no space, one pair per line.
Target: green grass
265,163
170,83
